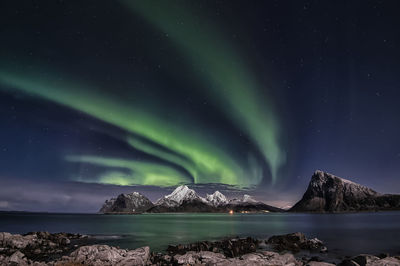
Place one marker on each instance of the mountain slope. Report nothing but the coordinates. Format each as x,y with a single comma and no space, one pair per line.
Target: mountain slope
248,204
329,193
127,203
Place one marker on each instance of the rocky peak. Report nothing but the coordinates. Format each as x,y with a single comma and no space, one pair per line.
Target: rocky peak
217,199
323,183
133,202
327,192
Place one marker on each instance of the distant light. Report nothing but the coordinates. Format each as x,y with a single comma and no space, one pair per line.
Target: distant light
231,212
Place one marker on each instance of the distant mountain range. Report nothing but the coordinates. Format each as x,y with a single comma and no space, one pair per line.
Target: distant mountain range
329,193
325,193
184,199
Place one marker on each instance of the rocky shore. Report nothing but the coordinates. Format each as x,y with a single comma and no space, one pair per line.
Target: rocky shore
42,248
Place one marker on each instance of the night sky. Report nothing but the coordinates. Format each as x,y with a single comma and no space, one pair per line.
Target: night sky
103,97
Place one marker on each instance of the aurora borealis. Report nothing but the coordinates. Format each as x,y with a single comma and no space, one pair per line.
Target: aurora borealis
113,96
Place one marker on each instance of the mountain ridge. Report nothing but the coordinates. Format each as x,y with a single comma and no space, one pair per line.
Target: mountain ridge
184,199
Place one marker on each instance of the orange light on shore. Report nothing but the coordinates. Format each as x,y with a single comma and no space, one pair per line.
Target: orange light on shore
231,212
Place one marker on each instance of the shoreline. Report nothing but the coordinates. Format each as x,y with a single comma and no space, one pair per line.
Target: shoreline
235,213
43,248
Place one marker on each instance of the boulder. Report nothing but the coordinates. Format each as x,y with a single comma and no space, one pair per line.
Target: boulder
364,259
295,242
264,258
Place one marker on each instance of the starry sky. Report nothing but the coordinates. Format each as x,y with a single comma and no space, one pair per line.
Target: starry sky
103,97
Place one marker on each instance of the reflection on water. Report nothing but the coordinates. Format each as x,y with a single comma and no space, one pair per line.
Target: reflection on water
343,233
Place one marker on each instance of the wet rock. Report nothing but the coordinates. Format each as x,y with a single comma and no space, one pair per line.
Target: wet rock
364,259
323,249
229,247
348,262
295,242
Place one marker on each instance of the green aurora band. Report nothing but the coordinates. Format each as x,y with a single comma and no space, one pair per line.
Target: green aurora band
143,173
206,162
230,83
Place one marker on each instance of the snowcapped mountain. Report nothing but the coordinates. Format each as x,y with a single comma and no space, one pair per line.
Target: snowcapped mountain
127,203
217,199
184,199
179,195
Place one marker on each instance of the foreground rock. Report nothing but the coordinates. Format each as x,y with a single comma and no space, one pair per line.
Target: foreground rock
37,245
295,242
105,255
239,251
256,258
329,193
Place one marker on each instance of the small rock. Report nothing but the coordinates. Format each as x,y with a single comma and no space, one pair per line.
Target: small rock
37,251
65,241
17,259
323,249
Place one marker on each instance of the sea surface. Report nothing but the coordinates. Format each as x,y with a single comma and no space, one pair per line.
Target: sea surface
343,234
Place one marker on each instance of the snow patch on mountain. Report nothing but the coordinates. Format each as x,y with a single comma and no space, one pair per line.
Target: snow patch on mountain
246,199
180,194
249,199
217,199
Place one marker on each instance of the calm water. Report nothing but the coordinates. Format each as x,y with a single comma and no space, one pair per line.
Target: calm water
344,234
